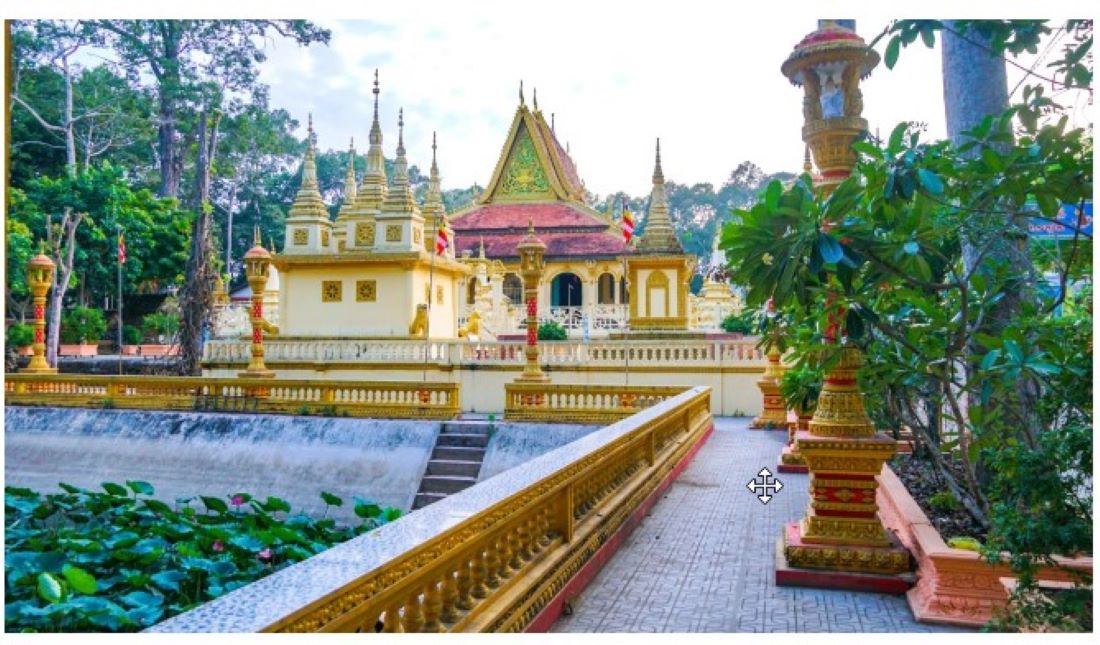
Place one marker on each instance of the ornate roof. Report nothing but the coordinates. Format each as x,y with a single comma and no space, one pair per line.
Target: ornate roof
535,180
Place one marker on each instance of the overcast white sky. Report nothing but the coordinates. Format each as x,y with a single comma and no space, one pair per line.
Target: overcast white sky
702,76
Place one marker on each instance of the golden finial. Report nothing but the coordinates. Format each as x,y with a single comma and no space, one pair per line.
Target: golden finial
256,236
433,148
375,91
535,98
807,167
401,131
552,123
521,92
530,226
271,243
658,174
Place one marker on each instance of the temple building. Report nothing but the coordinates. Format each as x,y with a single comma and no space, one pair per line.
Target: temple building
374,272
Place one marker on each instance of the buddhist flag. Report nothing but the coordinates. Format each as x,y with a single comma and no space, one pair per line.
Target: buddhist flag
121,248
442,241
628,224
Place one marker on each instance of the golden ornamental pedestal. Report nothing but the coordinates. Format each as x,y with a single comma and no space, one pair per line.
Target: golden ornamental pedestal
774,415
257,262
39,278
532,263
790,459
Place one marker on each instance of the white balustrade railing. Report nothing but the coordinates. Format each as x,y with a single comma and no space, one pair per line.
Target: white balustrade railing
624,353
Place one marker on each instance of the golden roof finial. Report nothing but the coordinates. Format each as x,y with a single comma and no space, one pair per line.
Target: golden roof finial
399,197
807,166
567,148
660,236
401,131
375,91
481,248
521,92
530,226
350,192
535,98
256,235
552,129
658,174
373,188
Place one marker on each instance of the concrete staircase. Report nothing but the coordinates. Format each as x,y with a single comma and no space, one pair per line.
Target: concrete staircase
455,462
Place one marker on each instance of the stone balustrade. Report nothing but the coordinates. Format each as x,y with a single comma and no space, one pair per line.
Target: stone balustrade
608,353
391,399
581,403
495,557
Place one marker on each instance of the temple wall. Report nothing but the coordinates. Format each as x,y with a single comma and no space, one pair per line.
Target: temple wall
304,313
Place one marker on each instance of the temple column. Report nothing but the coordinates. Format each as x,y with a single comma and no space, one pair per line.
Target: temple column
39,276
532,264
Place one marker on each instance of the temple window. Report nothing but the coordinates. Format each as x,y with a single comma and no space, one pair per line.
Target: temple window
605,293
513,288
366,291
565,290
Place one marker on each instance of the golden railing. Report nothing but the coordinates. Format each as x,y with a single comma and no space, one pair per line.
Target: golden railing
388,399
487,559
580,403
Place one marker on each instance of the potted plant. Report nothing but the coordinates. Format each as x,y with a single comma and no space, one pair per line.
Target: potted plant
131,340
800,388
163,326
21,336
79,326
552,330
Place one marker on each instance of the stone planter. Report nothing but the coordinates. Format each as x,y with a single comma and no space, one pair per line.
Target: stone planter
954,586
130,350
158,350
79,349
26,350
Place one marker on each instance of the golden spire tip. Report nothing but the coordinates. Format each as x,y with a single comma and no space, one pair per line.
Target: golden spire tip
256,241
521,91
535,98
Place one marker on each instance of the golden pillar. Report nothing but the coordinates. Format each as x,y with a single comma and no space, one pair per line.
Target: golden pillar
841,532
257,262
39,278
774,415
531,251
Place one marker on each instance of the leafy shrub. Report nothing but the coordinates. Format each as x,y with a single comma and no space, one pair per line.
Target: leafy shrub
551,330
119,560
742,323
161,324
19,335
131,335
801,386
944,501
82,324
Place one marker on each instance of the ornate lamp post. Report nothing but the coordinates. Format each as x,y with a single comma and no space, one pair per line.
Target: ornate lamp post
39,278
531,265
257,261
841,541
774,415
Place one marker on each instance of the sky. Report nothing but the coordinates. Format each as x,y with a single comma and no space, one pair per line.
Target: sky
702,76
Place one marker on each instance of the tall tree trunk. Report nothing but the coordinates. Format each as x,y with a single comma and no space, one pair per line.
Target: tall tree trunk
69,124
63,248
168,84
197,295
975,86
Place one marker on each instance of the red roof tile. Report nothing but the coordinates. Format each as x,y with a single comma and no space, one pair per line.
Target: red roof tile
503,245
515,217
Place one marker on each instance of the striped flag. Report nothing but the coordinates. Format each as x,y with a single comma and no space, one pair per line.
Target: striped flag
442,241
628,224
121,248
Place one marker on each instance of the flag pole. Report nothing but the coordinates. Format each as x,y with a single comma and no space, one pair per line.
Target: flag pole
120,258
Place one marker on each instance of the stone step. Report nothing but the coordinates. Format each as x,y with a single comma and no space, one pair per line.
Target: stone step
466,440
464,427
458,453
423,499
445,484
454,467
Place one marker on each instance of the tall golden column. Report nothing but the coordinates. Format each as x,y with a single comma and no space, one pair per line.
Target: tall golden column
39,278
531,265
774,414
257,262
841,541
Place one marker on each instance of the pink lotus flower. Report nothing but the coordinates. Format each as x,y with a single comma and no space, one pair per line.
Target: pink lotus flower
264,555
237,500
217,546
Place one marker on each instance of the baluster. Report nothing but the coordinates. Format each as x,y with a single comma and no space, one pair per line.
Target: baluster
504,557
450,594
413,620
492,562
515,544
392,621
527,537
479,568
433,607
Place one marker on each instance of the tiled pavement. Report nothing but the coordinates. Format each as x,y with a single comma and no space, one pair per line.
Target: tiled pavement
704,559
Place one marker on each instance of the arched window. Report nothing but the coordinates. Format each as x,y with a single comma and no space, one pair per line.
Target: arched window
656,295
565,290
513,289
471,290
605,292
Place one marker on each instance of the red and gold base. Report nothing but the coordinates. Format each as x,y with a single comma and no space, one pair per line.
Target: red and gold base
884,569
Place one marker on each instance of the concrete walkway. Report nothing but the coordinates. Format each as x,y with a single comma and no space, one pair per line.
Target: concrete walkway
704,559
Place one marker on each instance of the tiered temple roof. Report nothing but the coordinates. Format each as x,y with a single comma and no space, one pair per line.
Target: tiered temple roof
536,181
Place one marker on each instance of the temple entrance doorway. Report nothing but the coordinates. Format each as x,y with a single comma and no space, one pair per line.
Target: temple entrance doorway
565,290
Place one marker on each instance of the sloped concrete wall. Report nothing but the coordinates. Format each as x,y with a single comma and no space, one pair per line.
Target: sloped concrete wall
512,444
183,454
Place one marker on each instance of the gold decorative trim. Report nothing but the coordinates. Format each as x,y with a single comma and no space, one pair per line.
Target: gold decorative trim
301,237
332,291
366,290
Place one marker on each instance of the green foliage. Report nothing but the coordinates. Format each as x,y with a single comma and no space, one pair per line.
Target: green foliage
82,325
944,501
801,387
19,335
160,323
746,322
120,560
131,335
551,330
